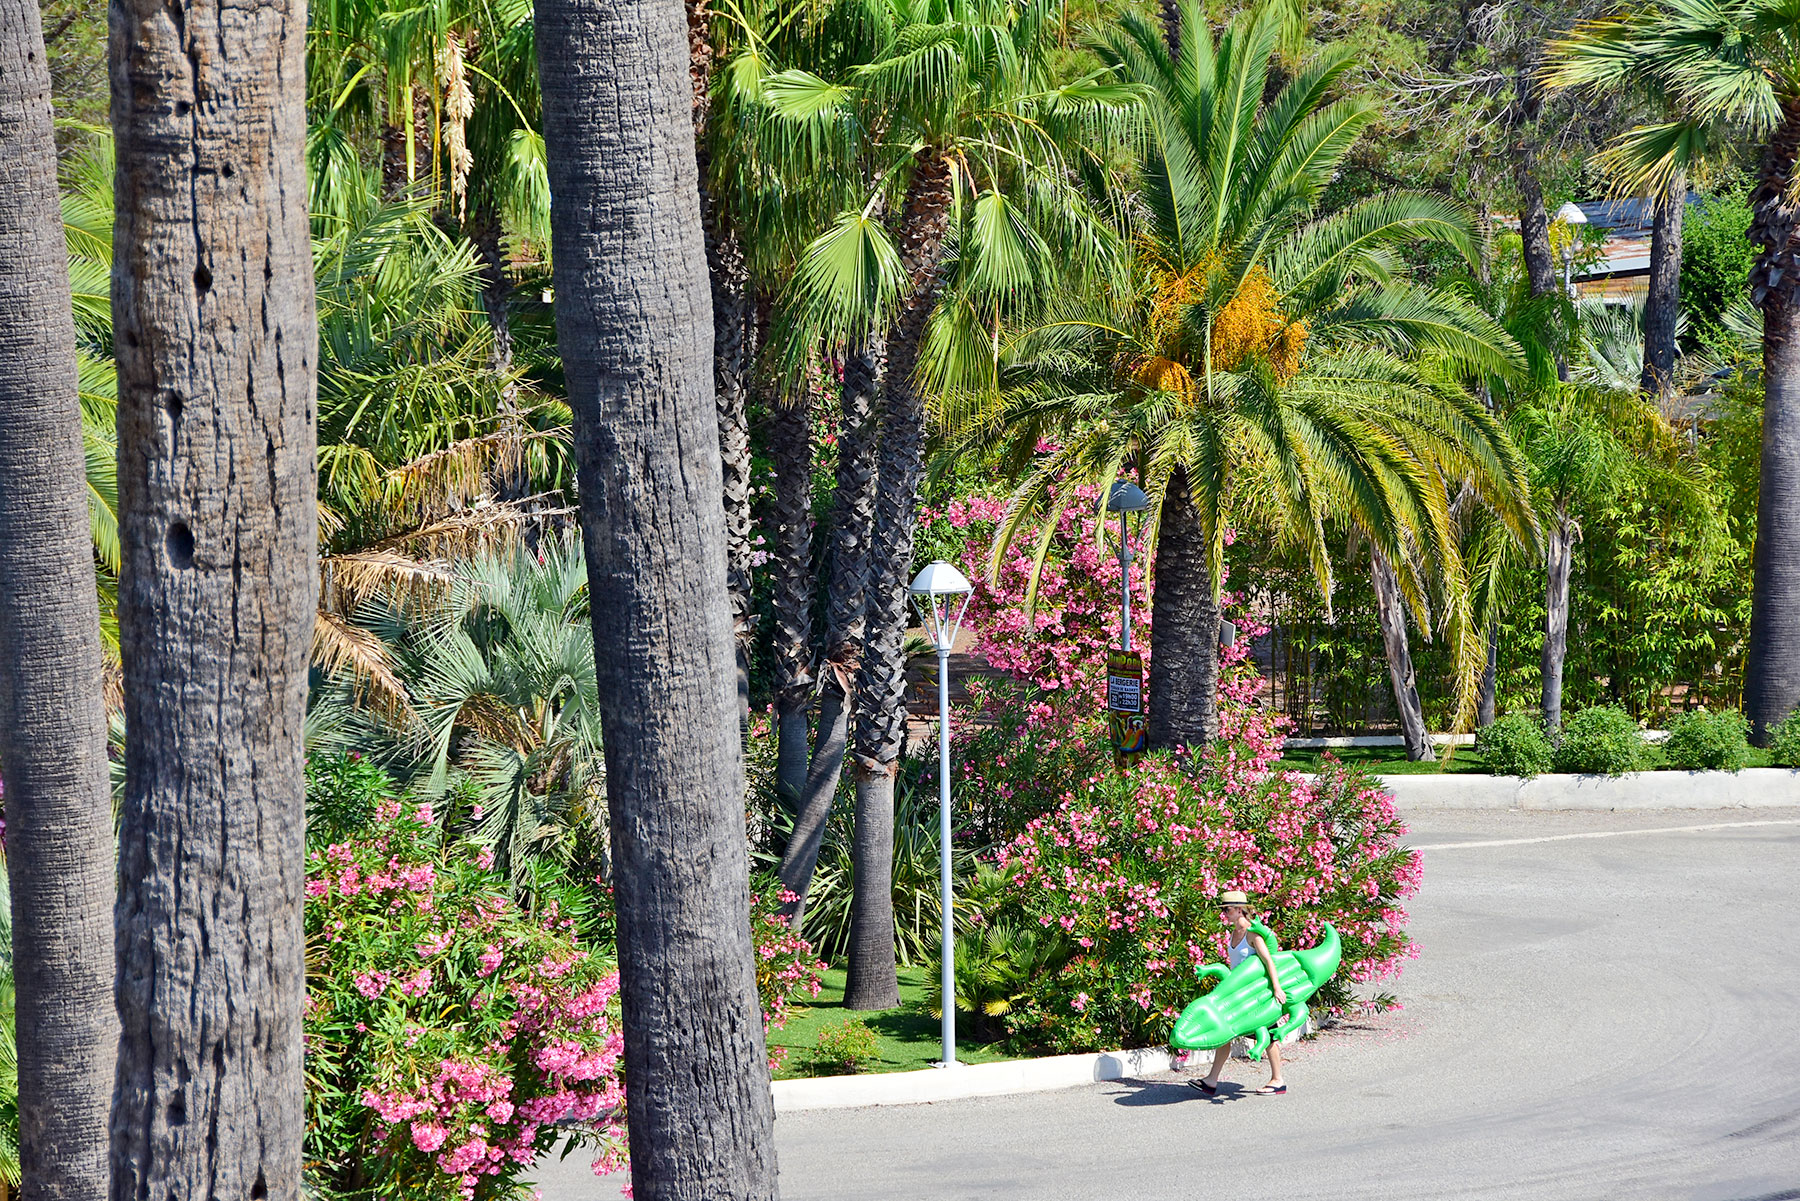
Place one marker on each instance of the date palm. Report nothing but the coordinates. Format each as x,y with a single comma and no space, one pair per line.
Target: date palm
52,723
1736,62
1263,363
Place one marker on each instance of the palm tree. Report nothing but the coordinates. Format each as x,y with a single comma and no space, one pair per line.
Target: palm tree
962,91
1261,363
635,331
52,721
488,682
1737,61
216,343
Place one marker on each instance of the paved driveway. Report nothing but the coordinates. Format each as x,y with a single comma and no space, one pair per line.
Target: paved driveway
1608,1015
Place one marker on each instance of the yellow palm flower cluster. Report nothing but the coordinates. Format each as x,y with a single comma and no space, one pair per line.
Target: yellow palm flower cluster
1250,323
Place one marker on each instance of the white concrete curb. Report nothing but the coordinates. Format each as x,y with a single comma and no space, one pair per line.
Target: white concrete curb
1752,788
966,1080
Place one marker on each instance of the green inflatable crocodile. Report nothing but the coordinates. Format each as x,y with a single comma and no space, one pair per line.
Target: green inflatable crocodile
1242,1002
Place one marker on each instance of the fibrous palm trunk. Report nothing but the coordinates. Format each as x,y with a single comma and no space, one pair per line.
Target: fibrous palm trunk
634,326
52,719
216,347
1184,612
1772,673
1390,608
852,525
1559,559
871,981
1662,305
790,442
1485,702
733,352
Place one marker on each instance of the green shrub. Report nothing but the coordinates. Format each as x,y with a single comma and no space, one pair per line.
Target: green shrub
1601,741
844,1048
1784,741
1702,741
1516,745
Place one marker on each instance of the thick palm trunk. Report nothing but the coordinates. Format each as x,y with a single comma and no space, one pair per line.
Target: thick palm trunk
634,325
1390,608
881,679
1559,558
852,525
1184,671
216,346
790,441
1662,307
1772,674
52,720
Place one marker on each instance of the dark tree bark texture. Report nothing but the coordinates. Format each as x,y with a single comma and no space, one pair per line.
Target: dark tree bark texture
1184,672
852,525
1534,221
216,345
790,442
52,720
1772,674
871,981
1559,558
1662,306
1390,608
634,325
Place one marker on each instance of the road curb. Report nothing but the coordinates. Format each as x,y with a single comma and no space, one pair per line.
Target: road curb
1752,788
966,1080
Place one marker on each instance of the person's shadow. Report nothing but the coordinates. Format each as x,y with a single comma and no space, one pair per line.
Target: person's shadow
1140,1093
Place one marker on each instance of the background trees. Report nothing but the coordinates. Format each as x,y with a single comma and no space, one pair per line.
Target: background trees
632,324
52,722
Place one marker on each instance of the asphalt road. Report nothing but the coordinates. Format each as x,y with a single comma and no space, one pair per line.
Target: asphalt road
1607,1016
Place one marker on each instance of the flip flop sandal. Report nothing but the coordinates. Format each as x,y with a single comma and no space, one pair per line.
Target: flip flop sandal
1203,1086
1269,1090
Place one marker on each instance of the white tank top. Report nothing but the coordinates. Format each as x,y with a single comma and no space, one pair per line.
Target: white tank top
1239,952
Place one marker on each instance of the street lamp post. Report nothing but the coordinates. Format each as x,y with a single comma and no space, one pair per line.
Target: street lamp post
942,593
1125,497
1570,214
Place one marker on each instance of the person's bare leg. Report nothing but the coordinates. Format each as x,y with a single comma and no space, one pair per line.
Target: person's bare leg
1275,1080
1219,1058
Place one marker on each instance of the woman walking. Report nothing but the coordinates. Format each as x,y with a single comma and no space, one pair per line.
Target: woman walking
1245,942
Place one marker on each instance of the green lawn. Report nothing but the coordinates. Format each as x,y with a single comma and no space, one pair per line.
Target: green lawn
908,1038
1392,761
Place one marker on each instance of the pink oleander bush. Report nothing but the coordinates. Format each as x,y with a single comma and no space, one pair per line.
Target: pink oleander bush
451,1037
1125,870
454,1034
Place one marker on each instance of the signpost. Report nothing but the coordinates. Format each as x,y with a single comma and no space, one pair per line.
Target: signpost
1125,706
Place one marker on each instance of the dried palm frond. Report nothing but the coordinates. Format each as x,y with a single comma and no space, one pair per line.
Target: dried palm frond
486,527
340,648
348,580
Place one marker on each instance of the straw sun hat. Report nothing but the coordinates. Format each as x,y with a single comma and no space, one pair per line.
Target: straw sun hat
1233,897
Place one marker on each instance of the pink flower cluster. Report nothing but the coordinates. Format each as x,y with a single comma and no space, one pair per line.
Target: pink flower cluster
1127,869
454,1030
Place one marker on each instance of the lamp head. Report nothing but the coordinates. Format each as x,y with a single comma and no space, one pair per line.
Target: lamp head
942,593
1570,214
1126,497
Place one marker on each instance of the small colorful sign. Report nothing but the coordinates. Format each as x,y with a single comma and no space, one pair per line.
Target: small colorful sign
1125,706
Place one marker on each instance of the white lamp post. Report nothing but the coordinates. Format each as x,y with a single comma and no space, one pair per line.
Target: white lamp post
1125,497
942,593
1570,214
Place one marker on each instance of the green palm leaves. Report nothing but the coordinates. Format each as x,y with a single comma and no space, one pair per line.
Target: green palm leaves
1279,363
